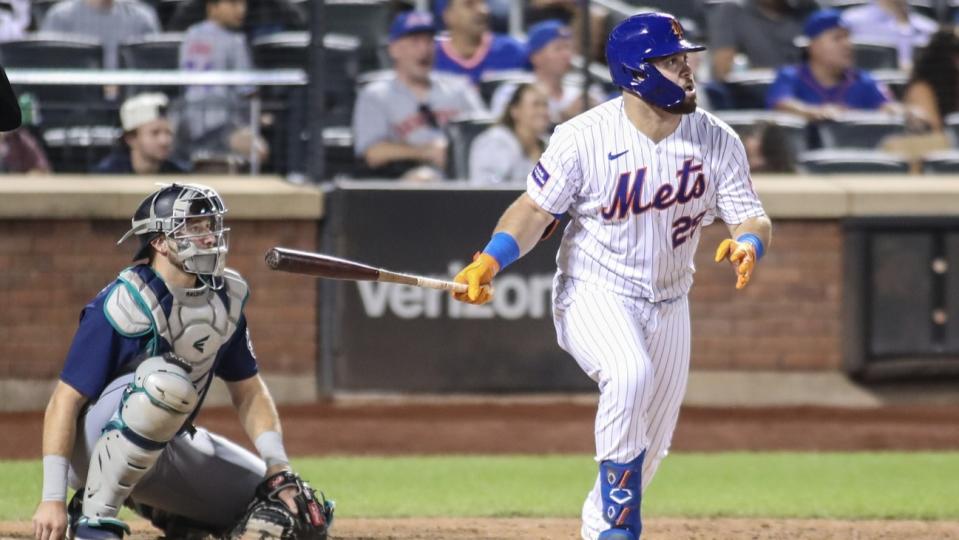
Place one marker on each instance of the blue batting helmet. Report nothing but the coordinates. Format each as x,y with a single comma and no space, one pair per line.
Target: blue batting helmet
636,41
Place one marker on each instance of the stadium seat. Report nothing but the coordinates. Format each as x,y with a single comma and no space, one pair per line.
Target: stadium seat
153,51
895,79
461,133
39,9
165,10
78,149
871,56
367,20
290,50
943,162
338,152
60,105
747,89
794,127
859,129
490,81
688,10
830,161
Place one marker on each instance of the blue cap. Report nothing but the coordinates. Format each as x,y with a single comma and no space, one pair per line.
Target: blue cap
542,33
822,20
411,22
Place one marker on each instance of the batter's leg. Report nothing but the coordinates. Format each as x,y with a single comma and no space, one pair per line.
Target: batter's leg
605,337
668,338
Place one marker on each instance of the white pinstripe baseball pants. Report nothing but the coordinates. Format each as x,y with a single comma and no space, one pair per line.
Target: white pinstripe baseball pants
638,354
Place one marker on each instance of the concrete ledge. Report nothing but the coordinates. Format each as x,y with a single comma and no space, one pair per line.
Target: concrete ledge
81,196
32,394
706,389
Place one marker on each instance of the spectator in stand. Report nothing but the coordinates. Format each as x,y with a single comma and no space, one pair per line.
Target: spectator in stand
768,149
214,120
934,85
263,17
147,141
550,49
109,21
891,22
762,30
827,81
20,152
507,151
398,122
469,48
14,19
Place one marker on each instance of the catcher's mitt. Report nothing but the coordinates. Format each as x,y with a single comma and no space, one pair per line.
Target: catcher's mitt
268,517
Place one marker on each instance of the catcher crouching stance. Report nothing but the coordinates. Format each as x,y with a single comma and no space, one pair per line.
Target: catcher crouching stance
119,424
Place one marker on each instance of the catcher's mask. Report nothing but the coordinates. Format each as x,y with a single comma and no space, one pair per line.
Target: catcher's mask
185,214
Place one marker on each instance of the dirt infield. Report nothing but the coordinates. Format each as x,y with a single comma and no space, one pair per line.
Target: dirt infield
567,529
442,428
496,428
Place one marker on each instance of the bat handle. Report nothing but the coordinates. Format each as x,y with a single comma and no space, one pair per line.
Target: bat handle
440,284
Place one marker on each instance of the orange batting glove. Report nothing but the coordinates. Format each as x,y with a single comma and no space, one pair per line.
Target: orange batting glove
742,255
478,276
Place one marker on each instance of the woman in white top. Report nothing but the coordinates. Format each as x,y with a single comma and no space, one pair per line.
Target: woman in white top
507,151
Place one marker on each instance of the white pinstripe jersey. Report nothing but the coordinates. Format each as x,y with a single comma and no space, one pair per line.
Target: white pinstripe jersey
636,206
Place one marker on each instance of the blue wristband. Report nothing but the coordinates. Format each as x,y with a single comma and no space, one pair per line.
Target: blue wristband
755,241
503,248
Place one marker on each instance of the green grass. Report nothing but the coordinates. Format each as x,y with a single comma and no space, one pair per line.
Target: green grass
835,485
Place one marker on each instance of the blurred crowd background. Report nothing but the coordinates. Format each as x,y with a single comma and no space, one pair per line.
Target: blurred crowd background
460,90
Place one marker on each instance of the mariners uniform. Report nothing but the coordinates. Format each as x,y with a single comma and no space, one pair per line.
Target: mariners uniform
625,264
144,356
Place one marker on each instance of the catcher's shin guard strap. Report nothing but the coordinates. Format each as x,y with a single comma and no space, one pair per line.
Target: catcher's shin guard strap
621,487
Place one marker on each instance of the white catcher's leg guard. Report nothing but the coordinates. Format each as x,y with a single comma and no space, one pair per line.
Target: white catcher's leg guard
154,407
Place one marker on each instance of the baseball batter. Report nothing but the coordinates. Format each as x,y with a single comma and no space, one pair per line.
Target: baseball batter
639,176
119,423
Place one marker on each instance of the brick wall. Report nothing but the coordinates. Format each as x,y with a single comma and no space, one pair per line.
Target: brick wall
788,318
50,268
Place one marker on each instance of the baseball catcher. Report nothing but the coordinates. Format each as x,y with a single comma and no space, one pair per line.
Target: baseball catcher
119,424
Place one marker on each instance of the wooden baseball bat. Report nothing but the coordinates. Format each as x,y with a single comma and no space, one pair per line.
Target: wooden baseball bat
326,266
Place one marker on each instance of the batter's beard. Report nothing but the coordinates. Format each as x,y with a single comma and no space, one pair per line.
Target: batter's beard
688,106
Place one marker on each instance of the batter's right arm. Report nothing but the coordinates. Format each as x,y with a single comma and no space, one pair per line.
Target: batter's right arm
59,431
519,229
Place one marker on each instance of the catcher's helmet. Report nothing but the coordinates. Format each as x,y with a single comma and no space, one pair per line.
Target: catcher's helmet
641,38
166,212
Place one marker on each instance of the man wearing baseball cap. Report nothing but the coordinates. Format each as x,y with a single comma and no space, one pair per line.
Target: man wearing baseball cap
147,141
398,121
827,81
469,47
549,48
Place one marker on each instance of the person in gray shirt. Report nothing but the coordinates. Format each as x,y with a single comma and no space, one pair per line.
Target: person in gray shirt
109,21
763,30
398,121
213,121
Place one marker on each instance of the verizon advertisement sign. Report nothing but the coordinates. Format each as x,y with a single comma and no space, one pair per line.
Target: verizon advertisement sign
384,337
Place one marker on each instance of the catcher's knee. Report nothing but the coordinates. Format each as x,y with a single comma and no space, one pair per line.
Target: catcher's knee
159,399
154,407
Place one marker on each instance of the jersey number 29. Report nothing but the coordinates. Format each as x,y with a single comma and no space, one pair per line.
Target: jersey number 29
685,227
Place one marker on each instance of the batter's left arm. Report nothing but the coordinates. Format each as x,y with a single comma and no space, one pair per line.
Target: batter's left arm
748,243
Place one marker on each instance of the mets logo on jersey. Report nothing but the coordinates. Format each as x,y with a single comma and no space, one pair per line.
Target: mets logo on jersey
629,191
677,29
540,176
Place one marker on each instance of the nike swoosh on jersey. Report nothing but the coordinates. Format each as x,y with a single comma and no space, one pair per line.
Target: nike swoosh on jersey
613,156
